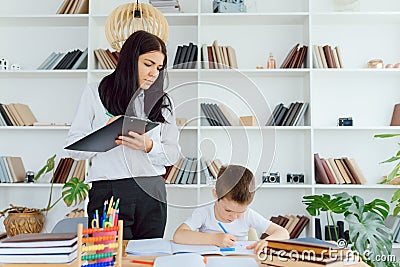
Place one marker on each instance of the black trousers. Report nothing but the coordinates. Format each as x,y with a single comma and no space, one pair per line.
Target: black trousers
142,206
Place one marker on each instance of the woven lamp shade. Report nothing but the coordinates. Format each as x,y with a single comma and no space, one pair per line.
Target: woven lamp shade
121,23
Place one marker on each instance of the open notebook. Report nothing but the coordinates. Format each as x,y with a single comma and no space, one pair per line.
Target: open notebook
157,246
199,261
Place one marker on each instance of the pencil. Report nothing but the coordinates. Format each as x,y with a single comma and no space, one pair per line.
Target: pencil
143,262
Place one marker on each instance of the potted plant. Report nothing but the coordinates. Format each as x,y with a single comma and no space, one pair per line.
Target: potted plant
394,176
31,220
367,229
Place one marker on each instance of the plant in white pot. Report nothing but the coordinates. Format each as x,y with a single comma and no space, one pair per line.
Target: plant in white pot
20,220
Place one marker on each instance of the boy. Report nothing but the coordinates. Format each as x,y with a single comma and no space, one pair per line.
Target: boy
229,219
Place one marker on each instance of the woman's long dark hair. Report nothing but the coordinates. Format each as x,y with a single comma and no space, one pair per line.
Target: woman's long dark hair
117,88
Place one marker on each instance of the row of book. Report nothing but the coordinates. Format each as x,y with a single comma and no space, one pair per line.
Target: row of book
295,224
106,59
218,57
72,60
39,248
74,7
214,115
68,168
12,170
185,171
295,58
288,116
337,171
393,222
185,56
16,114
166,6
327,57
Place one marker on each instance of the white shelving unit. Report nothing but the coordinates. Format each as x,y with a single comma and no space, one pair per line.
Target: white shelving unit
367,95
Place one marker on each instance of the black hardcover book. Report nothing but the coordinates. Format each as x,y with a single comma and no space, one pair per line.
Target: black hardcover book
181,59
187,56
193,57
213,114
221,115
73,59
67,60
287,115
5,116
292,118
318,233
293,113
177,56
208,115
300,116
340,225
280,116
62,61
274,114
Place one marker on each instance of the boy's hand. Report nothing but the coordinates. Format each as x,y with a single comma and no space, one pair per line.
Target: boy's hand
223,240
258,246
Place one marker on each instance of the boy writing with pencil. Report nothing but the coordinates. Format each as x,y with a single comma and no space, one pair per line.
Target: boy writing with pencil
229,218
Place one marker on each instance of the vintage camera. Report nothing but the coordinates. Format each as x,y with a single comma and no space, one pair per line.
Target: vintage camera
229,6
295,178
273,177
345,121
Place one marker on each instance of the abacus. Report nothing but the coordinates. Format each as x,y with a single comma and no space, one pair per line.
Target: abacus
88,252
87,247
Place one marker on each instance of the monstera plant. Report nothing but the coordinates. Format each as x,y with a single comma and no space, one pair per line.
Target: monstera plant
31,220
369,235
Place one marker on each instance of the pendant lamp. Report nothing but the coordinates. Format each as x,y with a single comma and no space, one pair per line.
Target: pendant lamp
131,17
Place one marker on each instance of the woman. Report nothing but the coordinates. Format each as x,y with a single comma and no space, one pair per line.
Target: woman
131,171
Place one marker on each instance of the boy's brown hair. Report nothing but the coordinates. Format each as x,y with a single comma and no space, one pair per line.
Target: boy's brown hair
235,183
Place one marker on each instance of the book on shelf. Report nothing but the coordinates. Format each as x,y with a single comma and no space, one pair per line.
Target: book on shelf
74,7
320,175
296,57
12,170
218,57
157,246
395,121
295,224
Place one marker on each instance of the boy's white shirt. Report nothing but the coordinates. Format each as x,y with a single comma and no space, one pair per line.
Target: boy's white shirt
203,220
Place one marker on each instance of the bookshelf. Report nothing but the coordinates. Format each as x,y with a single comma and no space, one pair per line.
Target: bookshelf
367,95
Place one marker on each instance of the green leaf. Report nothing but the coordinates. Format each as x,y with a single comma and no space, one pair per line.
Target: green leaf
379,207
396,210
319,203
369,232
391,159
385,135
74,192
396,196
46,168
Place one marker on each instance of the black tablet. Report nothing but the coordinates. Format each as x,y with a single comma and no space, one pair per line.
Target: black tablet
104,138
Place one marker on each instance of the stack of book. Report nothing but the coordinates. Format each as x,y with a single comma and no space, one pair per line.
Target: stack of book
72,60
327,57
288,116
295,58
106,59
305,252
12,170
39,248
166,6
215,116
218,57
295,224
337,171
16,115
185,56
185,171
74,7
68,168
